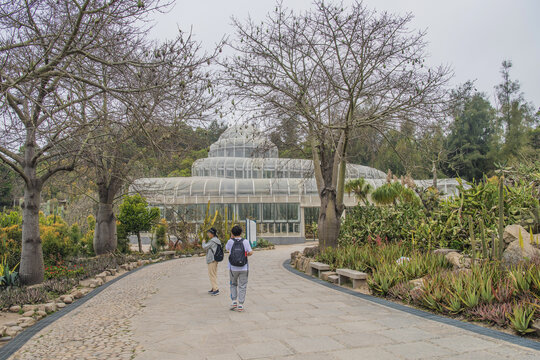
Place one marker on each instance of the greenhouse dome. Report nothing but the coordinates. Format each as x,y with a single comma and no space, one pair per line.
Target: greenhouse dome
244,175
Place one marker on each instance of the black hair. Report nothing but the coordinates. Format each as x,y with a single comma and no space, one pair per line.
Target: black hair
212,231
236,230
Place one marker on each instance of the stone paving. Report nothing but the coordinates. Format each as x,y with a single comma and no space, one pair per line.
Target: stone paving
164,312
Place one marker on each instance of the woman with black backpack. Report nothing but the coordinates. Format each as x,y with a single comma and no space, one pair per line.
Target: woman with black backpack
214,254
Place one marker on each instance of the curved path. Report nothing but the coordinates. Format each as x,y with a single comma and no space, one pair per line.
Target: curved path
163,312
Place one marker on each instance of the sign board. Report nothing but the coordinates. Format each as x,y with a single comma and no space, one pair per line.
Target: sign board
251,232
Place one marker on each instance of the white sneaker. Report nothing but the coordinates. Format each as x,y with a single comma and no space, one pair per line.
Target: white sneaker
234,305
240,307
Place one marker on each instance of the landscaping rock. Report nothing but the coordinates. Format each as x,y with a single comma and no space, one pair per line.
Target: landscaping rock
511,234
444,251
77,294
417,283
13,330
11,323
5,338
333,278
68,299
50,307
536,327
28,313
514,254
15,308
26,308
3,331
326,274
458,261
41,313
85,282
60,305
28,323
102,276
310,252
23,319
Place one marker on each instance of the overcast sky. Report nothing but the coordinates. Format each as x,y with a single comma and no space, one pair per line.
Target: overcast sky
472,36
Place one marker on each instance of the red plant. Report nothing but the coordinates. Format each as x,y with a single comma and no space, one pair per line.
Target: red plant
495,313
505,291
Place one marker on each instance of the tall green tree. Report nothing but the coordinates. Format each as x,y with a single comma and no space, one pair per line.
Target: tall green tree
516,116
472,137
135,216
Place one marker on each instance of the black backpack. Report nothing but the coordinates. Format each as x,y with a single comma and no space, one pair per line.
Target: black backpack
218,254
238,256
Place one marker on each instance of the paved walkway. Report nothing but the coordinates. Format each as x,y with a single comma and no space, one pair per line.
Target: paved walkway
163,312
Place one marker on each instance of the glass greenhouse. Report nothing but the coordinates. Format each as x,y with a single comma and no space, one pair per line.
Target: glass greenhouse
244,175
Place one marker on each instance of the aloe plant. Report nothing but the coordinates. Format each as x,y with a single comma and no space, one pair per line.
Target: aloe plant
8,277
521,318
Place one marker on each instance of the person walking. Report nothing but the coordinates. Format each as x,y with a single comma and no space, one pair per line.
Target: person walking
214,254
239,250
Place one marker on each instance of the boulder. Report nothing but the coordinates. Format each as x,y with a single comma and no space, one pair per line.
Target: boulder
102,276
24,319
511,234
310,252
13,330
68,299
514,254
3,331
41,313
28,313
536,327
27,323
326,274
15,308
77,294
50,307
60,305
26,308
306,267
417,283
458,261
443,251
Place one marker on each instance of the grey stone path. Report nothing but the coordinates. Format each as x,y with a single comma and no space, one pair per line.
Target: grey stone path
163,312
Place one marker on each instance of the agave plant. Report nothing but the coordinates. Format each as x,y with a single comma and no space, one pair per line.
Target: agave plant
8,277
521,318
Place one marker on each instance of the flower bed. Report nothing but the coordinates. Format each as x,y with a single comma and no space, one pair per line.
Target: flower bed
489,292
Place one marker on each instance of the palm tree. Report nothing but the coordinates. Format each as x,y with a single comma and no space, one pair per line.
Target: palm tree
361,189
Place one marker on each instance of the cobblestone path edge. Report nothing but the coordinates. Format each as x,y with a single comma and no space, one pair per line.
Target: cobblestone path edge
16,343
499,335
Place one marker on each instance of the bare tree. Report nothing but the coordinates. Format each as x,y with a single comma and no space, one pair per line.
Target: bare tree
174,88
334,69
47,50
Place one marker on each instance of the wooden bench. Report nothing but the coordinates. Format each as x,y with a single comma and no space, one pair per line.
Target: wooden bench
358,278
319,267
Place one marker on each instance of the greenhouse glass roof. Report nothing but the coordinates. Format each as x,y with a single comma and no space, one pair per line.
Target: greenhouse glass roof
243,165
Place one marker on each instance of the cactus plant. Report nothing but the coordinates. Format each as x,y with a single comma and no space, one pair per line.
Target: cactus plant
473,239
485,252
501,217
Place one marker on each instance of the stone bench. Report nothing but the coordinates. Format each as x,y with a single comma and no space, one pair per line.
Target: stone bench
358,278
318,267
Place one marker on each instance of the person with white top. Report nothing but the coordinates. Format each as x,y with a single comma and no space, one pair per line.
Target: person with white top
239,250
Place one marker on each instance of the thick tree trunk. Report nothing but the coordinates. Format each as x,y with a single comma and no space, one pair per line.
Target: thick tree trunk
139,241
105,240
31,268
329,220
105,237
